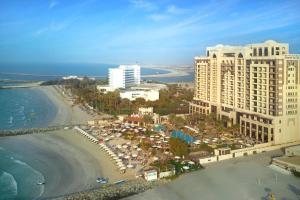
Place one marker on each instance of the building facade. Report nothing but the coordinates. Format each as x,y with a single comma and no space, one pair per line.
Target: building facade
134,93
256,86
124,76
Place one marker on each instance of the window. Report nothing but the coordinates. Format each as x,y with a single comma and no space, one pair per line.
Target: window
260,52
266,53
272,50
254,52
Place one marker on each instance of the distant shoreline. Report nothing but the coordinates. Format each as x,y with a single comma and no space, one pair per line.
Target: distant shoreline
171,71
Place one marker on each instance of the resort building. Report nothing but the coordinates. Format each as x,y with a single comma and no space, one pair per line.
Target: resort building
256,86
144,93
124,76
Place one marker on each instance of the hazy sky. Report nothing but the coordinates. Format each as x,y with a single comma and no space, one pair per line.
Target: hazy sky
160,32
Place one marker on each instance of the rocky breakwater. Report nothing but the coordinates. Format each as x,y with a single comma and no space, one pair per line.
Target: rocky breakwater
26,131
114,191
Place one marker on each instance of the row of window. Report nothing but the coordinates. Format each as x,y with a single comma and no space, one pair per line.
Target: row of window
265,51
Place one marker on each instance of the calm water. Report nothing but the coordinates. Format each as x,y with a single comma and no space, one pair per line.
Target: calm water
25,108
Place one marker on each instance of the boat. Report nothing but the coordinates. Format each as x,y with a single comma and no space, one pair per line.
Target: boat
40,183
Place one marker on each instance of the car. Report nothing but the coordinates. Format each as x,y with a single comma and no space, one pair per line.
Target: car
102,180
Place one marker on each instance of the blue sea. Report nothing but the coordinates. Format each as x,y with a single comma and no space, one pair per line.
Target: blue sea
21,108
18,180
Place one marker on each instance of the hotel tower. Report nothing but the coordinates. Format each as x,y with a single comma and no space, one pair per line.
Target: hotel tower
256,86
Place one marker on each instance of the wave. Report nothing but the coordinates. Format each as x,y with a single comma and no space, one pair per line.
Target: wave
11,119
39,176
9,186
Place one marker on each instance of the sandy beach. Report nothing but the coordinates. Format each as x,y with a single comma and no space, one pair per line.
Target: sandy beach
68,161
66,113
240,178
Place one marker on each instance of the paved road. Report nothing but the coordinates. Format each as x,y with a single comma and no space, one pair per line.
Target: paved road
242,178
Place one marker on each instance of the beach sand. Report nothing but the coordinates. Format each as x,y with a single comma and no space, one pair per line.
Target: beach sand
238,178
66,113
69,162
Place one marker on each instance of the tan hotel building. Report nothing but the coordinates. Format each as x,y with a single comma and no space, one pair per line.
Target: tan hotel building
256,86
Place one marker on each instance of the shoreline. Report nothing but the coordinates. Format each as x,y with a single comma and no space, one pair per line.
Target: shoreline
67,114
172,71
69,162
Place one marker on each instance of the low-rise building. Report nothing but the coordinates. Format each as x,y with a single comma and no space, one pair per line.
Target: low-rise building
222,151
290,161
150,175
146,111
134,93
293,151
104,89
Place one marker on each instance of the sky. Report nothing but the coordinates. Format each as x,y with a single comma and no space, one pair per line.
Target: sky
149,32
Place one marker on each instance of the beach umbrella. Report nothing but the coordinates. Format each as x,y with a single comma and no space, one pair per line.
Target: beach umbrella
186,167
139,149
155,158
191,162
115,158
125,146
127,157
129,166
134,155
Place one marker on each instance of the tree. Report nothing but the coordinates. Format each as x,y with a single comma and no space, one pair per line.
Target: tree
178,147
148,119
177,122
201,126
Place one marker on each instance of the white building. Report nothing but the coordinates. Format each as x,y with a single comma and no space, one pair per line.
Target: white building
124,76
150,175
133,94
146,111
104,89
72,77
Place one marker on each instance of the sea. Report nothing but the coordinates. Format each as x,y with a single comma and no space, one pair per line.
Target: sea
30,107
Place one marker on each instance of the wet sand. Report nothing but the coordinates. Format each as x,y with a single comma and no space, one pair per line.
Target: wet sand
69,162
241,178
